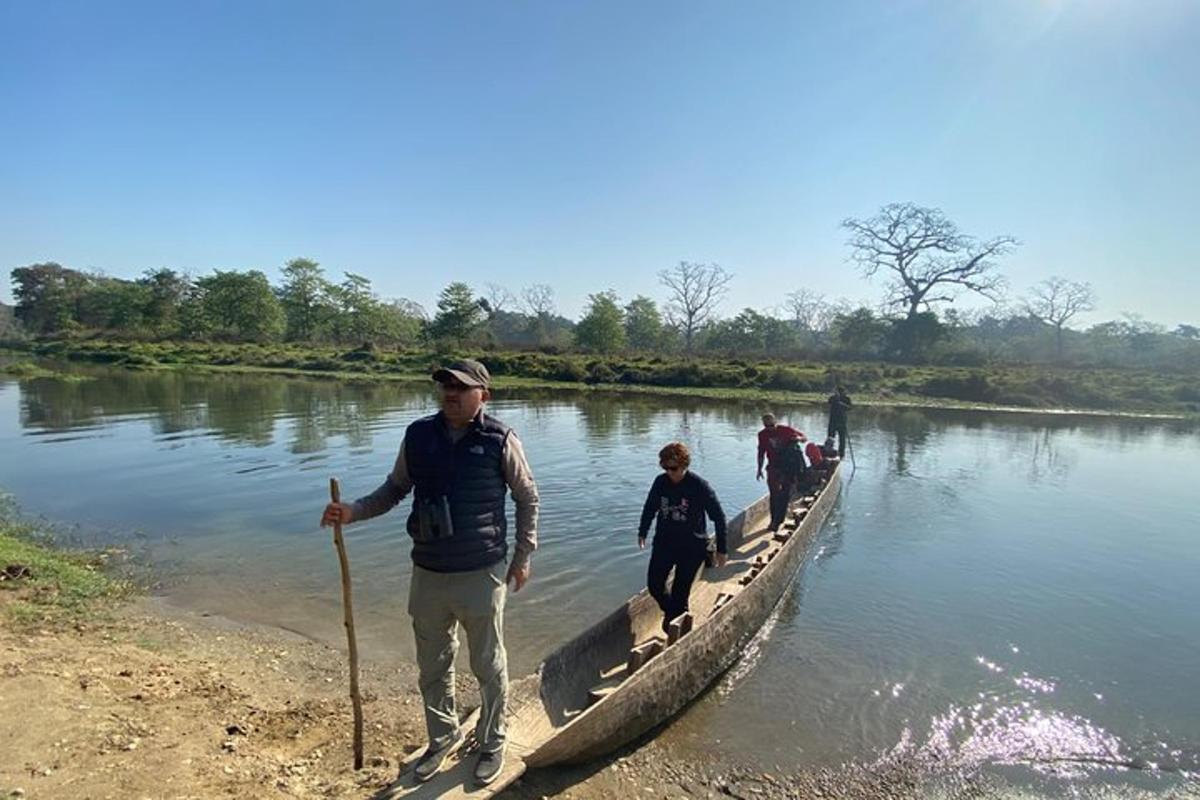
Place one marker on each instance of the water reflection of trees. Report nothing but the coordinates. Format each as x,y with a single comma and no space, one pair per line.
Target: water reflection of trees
247,409
910,431
1038,445
604,415
237,408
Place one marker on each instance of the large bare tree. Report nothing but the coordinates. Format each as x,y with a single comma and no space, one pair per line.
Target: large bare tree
928,259
696,291
807,308
538,300
496,298
1056,301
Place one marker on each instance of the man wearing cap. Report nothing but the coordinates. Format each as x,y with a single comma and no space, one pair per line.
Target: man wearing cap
459,463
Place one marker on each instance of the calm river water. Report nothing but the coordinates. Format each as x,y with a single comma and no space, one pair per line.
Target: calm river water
1011,591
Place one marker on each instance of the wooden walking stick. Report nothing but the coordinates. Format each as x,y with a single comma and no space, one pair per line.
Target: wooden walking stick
335,493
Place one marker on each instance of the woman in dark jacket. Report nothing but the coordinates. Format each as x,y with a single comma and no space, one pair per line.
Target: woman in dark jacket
679,501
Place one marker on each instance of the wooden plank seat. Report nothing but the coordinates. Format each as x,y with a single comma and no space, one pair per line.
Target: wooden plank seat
598,693
678,628
642,653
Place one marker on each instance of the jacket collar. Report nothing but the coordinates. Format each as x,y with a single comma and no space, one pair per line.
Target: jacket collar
444,424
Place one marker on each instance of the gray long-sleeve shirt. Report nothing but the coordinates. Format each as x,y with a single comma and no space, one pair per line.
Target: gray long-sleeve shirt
517,476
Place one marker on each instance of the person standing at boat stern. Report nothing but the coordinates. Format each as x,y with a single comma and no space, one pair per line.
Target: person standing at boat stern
774,440
459,464
839,413
678,502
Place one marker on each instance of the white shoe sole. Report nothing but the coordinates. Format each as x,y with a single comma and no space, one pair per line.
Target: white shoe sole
441,762
485,781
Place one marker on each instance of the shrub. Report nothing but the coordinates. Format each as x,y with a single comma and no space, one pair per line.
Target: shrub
973,387
600,372
1188,393
566,369
137,360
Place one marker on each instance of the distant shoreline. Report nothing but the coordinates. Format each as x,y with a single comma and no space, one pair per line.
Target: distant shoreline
871,385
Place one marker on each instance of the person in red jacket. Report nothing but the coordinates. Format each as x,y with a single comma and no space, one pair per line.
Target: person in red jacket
812,452
815,463
773,439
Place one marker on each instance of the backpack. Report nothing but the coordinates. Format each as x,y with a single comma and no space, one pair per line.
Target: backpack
791,459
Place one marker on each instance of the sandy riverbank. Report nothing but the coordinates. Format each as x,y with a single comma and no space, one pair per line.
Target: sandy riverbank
156,702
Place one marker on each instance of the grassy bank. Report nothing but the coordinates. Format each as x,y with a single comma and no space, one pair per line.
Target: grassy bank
1033,387
44,585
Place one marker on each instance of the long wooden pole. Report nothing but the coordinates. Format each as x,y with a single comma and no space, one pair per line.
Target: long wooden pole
335,493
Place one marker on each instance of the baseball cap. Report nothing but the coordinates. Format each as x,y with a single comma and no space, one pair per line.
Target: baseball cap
468,371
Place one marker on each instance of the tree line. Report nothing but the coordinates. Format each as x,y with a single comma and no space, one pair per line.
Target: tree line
924,261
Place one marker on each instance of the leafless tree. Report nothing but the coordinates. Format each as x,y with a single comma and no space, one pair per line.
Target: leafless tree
496,298
930,260
696,291
410,308
538,300
805,307
1056,301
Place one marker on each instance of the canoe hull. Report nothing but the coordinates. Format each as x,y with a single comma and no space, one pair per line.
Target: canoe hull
665,685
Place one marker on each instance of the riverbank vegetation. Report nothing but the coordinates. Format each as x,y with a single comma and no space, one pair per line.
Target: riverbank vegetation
915,345
45,585
1094,389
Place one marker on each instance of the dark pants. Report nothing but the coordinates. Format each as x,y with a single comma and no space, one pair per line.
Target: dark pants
840,429
780,487
685,554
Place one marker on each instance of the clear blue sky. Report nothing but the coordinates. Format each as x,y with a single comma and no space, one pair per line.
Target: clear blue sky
588,145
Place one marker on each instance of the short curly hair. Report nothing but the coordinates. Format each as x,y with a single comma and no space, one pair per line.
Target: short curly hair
675,453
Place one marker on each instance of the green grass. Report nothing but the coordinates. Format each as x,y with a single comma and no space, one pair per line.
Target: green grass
63,587
27,370
997,385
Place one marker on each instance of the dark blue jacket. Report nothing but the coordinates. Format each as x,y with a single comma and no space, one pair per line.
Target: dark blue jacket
458,522
679,510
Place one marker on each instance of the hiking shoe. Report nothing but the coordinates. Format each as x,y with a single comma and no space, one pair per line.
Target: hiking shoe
434,758
489,766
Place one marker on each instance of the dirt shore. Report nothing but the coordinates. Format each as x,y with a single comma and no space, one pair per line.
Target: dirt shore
158,703
161,703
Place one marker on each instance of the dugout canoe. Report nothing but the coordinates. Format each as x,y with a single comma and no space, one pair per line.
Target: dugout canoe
622,677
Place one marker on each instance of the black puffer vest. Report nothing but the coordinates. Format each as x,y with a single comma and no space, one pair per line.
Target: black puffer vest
464,482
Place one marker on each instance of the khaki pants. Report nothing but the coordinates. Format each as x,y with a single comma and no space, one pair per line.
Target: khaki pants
439,602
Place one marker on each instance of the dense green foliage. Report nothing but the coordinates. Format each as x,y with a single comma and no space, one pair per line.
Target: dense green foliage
224,306
923,258
230,306
459,315
602,328
1126,390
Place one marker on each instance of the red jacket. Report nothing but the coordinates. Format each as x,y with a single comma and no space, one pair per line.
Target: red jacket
813,451
772,440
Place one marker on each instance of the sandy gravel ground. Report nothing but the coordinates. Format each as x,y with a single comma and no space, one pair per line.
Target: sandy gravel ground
162,704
